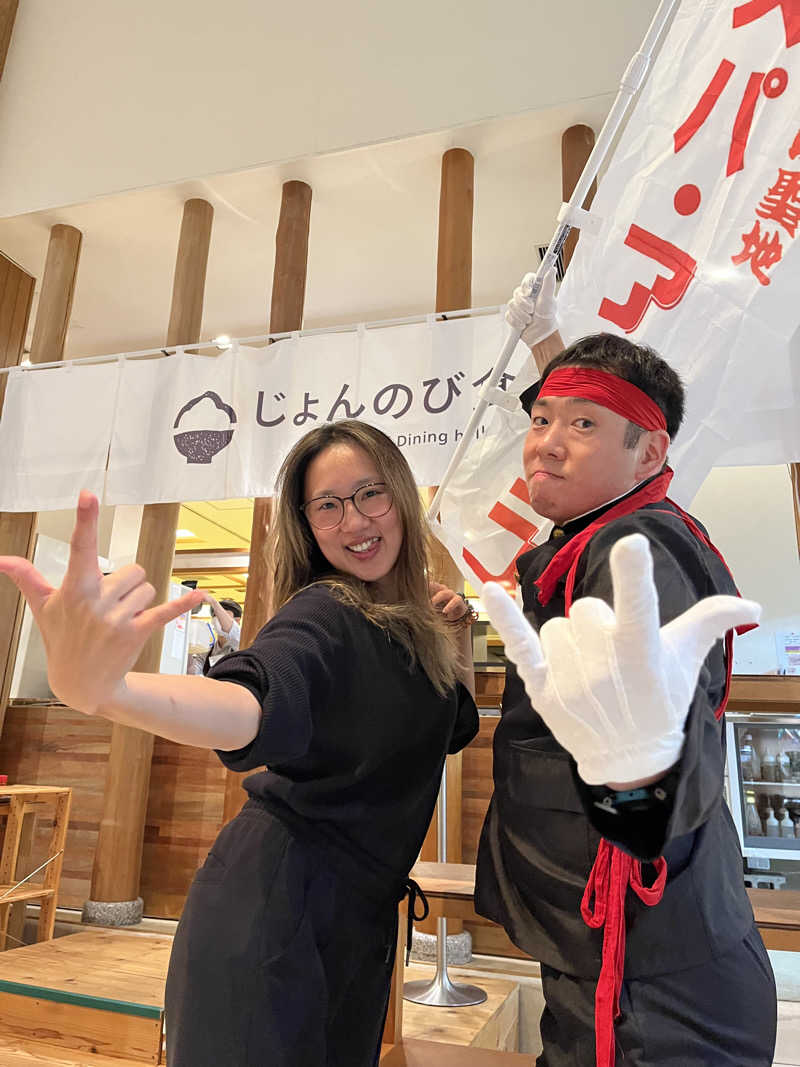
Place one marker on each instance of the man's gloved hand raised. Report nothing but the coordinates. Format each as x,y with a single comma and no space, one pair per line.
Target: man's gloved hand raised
614,687
535,323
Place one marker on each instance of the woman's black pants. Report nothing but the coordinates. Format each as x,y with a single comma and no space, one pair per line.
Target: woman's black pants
277,961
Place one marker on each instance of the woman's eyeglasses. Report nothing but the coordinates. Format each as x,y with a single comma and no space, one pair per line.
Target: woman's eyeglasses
324,512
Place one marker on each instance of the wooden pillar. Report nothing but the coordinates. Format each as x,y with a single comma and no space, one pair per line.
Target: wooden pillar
454,264
794,475
118,858
577,143
286,313
8,12
453,293
18,529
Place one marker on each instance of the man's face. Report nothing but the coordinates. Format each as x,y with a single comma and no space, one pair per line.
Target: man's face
575,459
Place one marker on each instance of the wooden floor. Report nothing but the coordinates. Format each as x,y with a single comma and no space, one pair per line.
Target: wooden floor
96,999
36,1054
416,1053
493,1024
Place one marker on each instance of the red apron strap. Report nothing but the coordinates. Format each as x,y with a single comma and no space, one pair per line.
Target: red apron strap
603,905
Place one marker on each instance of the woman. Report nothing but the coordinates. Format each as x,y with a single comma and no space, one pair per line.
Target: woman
351,696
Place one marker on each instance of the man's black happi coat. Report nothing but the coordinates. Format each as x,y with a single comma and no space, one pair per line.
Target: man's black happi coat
544,824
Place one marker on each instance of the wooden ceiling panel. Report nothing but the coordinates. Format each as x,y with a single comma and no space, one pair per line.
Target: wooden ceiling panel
217,525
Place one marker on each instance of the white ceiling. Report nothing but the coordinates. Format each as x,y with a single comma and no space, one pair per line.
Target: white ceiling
372,248
102,97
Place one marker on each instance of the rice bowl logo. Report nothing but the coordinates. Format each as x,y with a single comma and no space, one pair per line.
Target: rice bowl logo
200,446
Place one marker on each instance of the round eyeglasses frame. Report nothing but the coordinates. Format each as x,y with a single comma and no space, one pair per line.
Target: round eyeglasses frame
342,501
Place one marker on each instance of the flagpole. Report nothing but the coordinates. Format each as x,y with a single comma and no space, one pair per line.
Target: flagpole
568,217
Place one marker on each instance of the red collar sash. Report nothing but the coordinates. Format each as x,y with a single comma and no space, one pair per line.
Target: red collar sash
565,561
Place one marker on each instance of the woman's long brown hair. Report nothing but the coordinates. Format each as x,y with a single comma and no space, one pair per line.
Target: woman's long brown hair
296,560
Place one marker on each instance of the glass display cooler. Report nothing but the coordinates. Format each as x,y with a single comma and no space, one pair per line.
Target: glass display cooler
763,753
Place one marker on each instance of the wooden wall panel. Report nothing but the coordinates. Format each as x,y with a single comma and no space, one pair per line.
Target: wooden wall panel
184,815
53,745
476,786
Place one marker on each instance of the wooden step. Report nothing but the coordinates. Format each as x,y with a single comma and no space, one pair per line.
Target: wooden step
36,1054
416,1053
99,992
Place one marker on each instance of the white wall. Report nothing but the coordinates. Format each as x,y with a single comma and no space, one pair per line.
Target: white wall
749,515
101,96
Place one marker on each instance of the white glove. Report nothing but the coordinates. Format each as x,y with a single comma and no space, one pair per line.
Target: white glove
612,686
535,321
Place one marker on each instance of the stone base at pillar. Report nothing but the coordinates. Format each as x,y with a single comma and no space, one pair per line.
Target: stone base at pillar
113,912
459,947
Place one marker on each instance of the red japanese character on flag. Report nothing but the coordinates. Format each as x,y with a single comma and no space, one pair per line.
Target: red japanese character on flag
772,84
782,202
664,292
754,9
763,250
515,523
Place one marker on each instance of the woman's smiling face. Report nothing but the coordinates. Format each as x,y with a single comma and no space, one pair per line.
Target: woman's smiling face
366,547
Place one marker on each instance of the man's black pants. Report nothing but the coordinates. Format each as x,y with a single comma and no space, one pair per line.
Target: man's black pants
721,1014
277,961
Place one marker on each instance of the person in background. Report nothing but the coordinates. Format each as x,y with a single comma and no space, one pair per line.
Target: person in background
227,627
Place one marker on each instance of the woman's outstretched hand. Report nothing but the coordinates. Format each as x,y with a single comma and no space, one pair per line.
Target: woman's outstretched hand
93,627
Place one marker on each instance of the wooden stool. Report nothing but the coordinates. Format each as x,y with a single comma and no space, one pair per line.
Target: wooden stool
18,803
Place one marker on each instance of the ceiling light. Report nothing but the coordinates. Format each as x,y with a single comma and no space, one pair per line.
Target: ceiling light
222,342
181,535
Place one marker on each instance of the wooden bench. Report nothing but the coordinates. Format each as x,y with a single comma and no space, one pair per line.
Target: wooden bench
450,889
777,913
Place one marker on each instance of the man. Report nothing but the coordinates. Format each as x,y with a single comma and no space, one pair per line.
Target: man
667,947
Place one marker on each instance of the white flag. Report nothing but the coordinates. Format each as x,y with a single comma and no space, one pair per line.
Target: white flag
696,257
486,517
698,254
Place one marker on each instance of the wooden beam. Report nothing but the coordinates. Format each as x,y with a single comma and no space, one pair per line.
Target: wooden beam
118,858
8,12
291,258
794,475
18,529
453,293
286,313
454,262
577,143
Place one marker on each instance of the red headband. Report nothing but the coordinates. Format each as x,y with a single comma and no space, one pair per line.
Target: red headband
608,391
